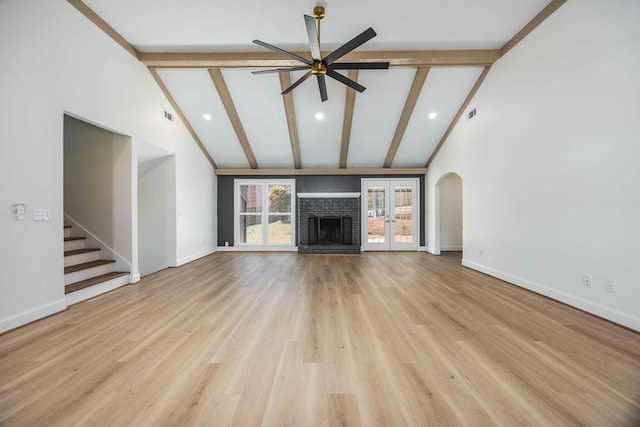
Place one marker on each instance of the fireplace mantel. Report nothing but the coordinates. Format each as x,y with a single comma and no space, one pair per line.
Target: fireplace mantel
328,195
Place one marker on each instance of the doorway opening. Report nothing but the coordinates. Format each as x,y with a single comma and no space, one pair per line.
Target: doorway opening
390,213
156,209
448,214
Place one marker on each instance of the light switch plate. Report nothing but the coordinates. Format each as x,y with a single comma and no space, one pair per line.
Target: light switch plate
42,214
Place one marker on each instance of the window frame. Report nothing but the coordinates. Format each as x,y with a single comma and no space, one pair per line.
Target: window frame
264,215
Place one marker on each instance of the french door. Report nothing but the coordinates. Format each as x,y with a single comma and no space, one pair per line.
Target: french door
390,214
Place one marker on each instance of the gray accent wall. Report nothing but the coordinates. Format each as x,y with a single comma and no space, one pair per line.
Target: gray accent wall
304,184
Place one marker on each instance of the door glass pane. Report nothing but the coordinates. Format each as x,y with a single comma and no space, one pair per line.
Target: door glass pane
250,198
279,228
280,198
403,218
375,214
251,228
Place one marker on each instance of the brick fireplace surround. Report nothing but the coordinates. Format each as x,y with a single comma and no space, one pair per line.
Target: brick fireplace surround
336,205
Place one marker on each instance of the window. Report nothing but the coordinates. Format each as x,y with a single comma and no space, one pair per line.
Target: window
264,212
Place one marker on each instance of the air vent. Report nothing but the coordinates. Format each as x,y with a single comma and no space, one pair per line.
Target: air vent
472,113
168,115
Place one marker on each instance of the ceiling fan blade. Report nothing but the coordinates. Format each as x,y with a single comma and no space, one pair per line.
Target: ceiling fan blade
359,40
360,66
280,70
322,84
297,83
346,80
312,32
282,51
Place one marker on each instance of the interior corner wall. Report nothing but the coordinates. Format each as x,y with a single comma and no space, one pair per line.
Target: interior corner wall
88,76
451,213
549,163
97,183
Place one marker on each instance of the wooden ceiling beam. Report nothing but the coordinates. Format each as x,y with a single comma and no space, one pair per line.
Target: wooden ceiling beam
320,171
292,124
537,20
400,58
459,114
348,120
410,104
178,111
225,97
517,38
102,24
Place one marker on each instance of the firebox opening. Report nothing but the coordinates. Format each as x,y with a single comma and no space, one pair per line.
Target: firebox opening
330,230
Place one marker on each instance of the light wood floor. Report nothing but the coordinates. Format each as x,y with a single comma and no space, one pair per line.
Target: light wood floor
388,339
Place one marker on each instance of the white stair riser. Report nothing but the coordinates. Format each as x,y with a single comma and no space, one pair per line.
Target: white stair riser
81,258
77,276
100,288
67,232
71,245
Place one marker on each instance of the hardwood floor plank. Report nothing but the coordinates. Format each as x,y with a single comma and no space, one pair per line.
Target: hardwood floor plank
379,339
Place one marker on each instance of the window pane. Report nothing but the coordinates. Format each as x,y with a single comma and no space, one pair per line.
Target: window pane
279,198
279,228
250,228
376,215
250,198
403,215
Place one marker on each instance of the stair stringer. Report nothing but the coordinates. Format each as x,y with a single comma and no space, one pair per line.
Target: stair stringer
106,252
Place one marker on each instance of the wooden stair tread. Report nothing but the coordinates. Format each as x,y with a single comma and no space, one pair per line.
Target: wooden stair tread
80,251
86,265
93,281
67,226
67,239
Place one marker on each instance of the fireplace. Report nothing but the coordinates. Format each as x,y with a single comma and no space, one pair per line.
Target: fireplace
330,230
328,223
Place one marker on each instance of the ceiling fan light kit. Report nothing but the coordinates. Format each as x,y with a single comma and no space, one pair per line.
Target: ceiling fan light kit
321,67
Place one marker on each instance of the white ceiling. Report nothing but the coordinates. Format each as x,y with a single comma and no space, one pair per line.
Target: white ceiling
215,26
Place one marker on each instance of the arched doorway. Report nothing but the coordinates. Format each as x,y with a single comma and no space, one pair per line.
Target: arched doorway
448,213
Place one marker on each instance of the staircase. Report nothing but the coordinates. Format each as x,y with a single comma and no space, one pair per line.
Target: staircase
84,269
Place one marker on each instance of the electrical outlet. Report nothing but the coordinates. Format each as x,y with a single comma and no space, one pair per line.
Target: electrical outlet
610,285
586,280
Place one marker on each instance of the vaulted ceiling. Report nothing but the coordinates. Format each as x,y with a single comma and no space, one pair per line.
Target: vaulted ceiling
201,54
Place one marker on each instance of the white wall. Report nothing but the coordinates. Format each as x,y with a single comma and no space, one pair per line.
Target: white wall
451,213
54,61
97,183
157,217
550,163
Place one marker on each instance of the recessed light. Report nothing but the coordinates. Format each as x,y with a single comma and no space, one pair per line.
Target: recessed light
433,115
319,116
206,116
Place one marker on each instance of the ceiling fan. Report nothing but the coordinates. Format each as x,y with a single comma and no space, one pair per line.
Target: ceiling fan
320,67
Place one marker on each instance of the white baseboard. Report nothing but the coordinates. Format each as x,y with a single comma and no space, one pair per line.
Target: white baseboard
190,258
431,250
135,278
450,248
31,315
257,249
613,315
422,249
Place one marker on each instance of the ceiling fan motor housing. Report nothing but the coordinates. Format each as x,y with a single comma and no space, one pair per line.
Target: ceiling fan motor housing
318,68
318,12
